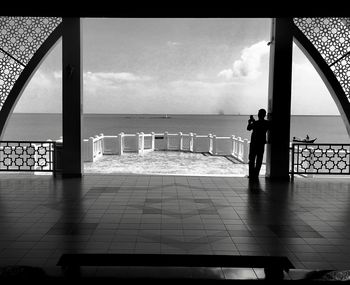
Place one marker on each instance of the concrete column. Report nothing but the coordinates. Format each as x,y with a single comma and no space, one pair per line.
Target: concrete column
279,102
72,165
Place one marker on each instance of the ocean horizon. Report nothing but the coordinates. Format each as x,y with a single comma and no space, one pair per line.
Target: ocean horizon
43,126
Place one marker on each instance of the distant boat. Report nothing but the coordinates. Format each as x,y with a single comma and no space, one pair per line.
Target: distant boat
306,140
166,116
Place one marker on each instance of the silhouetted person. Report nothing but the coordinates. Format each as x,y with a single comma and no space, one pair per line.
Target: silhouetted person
257,142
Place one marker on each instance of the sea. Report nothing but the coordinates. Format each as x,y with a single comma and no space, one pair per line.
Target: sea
34,126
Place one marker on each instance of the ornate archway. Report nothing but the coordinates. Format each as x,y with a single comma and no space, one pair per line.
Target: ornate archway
326,43
24,43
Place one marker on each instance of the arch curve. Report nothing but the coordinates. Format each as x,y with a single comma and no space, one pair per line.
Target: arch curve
323,65
23,65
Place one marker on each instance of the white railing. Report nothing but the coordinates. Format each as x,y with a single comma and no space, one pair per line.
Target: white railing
240,148
201,143
95,147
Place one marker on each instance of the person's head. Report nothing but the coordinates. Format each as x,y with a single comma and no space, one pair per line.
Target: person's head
261,114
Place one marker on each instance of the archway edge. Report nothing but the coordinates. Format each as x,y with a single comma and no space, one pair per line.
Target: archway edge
26,75
326,74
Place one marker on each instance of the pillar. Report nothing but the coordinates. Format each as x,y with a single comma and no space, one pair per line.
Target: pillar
72,165
279,99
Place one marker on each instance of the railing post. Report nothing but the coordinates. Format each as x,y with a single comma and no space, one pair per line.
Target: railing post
298,153
347,153
214,144
138,145
1,154
153,141
180,141
191,142
292,170
210,143
102,143
91,149
96,146
142,147
121,142
240,149
195,147
311,161
35,166
245,150
233,145
54,158
166,139
85,150
50,154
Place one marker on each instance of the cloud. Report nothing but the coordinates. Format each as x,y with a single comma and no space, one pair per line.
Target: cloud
94,82
127,92
155,96
115,77
172,44
226,73
108,77
200,84
249,64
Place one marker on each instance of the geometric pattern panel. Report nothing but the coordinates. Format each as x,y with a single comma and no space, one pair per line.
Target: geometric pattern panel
321,158
9,72
341,70
20,38
331,38
27,156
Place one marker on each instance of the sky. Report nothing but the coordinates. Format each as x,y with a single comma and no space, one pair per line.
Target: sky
175,66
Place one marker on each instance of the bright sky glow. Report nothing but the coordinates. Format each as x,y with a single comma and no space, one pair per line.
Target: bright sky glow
181,66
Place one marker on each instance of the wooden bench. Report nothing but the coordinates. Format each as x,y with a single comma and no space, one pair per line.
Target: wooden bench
273,265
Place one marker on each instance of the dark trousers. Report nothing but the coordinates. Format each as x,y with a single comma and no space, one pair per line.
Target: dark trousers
256,154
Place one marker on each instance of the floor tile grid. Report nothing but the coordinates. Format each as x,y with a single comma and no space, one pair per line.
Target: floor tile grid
306,257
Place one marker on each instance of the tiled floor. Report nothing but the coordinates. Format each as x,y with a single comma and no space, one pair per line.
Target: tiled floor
41,217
